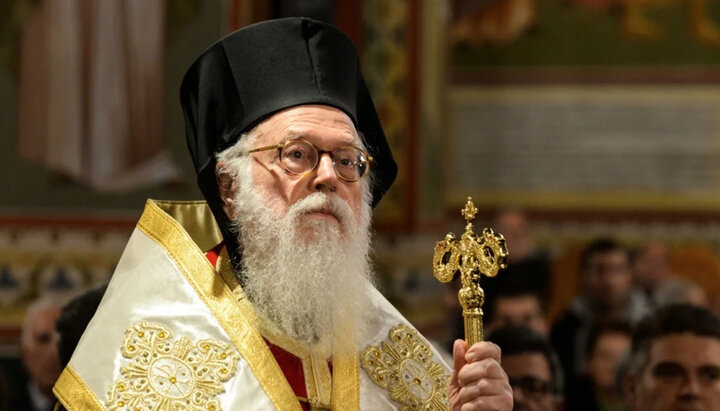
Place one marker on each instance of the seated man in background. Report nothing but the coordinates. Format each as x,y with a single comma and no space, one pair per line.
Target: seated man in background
675,361
655,278
607,296
511,302
597,390
527,263
515,304
532,367
39,354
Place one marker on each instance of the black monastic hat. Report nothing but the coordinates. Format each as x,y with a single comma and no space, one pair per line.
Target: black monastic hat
261,69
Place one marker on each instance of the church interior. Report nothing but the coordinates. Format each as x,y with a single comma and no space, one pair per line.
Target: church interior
568,122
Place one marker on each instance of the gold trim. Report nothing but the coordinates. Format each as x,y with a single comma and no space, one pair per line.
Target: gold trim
346,372
216,295
321,379
73,394
228,276
196,219
346,383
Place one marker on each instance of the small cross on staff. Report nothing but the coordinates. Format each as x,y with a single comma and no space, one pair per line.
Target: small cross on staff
471,256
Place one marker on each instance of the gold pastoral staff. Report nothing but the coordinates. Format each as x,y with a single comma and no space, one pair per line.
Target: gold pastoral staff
471,256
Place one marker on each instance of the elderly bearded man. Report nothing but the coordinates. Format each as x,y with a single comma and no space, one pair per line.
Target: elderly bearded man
291,158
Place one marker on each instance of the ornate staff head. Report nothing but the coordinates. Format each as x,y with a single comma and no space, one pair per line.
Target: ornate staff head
471,257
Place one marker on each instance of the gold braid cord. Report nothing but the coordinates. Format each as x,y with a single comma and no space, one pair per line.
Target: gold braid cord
470,257
170,375
405,367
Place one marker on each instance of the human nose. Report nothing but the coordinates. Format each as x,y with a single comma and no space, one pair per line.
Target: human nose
518,397
690,386
325,177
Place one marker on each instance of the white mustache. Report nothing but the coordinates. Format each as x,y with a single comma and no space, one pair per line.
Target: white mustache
322,202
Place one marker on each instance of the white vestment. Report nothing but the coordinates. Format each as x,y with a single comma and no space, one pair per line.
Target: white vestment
174,332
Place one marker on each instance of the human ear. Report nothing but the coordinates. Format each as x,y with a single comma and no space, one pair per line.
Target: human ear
226,187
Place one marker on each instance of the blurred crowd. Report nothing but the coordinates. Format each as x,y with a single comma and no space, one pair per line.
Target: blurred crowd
50,332
635,337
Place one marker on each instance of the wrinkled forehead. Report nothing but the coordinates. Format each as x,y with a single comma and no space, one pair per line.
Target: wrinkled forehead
316,123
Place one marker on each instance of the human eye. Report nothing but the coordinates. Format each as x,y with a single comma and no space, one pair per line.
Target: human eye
298,156
531,385
709,374
345,161
668,371
345,157
297,151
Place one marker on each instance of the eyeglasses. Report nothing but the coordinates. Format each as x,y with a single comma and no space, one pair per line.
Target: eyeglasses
299,156
532,386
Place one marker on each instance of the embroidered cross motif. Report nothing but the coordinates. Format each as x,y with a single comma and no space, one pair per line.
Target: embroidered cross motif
405,367
170,375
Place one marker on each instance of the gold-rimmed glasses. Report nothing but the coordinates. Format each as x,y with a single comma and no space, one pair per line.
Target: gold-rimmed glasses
299,156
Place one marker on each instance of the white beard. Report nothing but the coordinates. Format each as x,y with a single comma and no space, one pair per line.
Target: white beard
307,278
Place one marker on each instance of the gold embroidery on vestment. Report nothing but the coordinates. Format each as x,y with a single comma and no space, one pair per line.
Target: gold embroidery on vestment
170,375
405,367
232,310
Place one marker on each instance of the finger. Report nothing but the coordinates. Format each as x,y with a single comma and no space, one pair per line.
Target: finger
483,369
501,402
481,350
459,348
459,352
482,388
